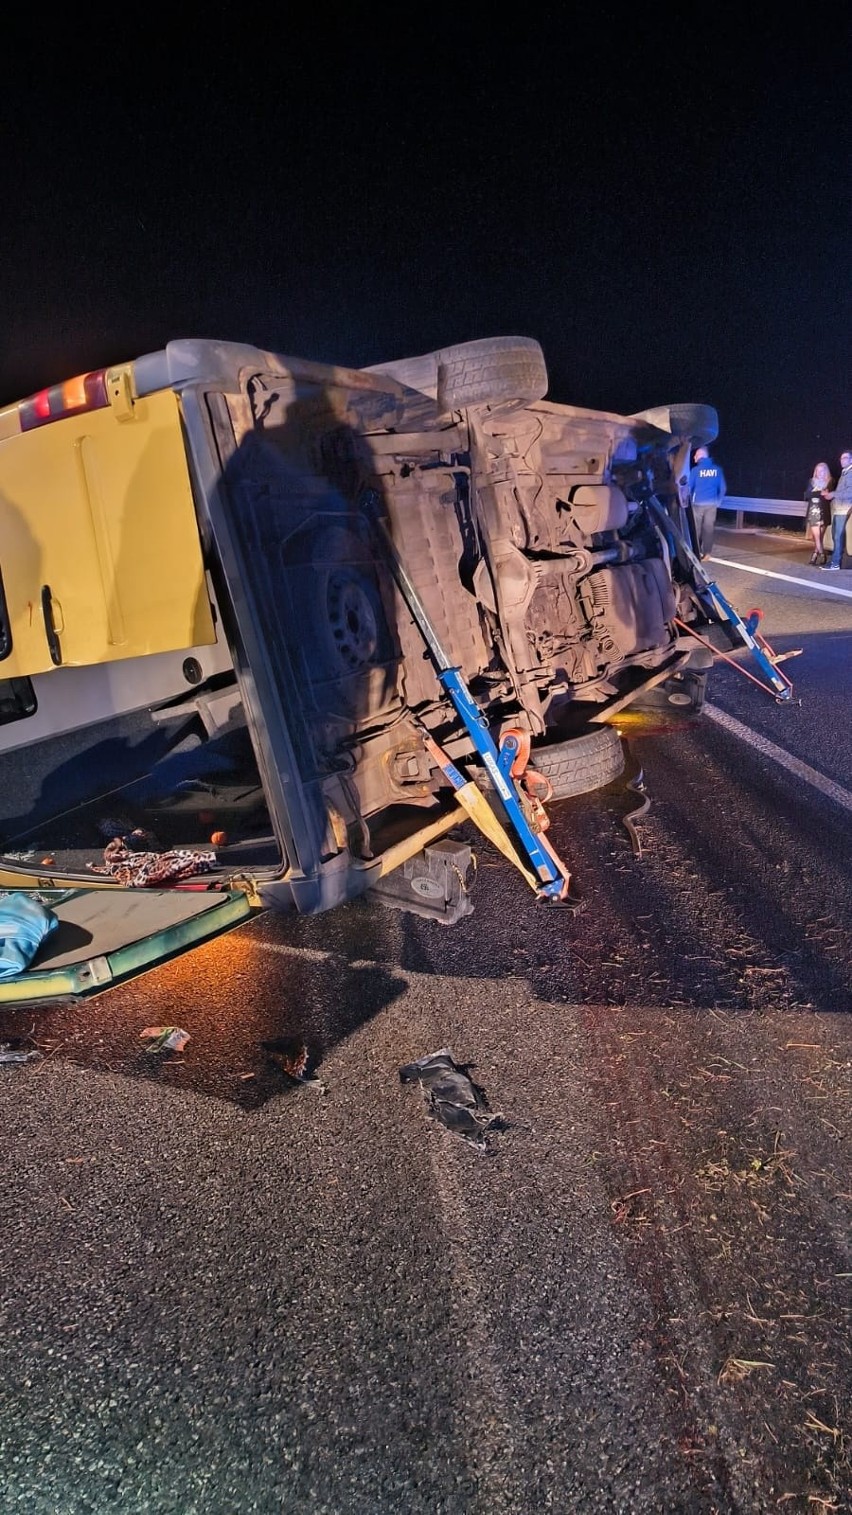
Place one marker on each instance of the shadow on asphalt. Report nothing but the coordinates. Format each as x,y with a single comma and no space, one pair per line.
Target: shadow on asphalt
232,995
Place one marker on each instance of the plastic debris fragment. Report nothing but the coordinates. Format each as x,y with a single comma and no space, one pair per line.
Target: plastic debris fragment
164,1038
452,1097
19,1049
290,1054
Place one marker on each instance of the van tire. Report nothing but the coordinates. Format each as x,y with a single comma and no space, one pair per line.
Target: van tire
581,765
489,371
698,424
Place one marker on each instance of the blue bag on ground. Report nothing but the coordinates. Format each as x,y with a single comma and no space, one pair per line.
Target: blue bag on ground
24,924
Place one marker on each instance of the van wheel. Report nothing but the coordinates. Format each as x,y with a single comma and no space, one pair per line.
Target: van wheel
697,423
489,371
581,765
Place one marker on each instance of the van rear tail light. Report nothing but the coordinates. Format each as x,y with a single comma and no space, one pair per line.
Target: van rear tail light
87,392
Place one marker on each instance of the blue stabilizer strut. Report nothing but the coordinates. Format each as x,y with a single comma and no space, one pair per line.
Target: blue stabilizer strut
554,881
745,629
723,609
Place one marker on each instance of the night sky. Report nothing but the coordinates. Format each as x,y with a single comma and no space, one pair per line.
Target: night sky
663,203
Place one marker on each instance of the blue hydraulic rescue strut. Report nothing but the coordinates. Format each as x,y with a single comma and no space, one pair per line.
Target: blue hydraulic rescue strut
746,629
552,875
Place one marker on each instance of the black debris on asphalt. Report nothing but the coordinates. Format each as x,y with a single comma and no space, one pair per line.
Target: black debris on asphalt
453,1098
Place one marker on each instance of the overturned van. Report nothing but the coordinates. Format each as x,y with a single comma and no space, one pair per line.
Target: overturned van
199,539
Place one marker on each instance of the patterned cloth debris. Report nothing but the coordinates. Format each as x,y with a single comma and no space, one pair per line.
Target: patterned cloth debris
150,870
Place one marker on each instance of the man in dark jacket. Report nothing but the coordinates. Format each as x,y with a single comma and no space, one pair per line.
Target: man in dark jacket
707,490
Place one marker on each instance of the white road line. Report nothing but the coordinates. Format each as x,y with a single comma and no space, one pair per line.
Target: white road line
309,954
793,765
789,578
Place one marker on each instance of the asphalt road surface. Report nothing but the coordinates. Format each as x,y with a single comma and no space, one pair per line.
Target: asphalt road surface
225,1291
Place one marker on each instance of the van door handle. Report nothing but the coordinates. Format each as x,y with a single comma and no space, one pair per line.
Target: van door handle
49,626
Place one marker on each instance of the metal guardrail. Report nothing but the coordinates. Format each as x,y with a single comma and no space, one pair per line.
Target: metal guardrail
741,507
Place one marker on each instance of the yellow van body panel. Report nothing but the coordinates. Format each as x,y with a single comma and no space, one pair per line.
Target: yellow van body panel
99,547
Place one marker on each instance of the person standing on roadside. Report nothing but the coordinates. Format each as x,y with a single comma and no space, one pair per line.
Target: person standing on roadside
818,513
841,505
707,490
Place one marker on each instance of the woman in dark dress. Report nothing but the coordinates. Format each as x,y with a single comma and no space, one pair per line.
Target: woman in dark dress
818,513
